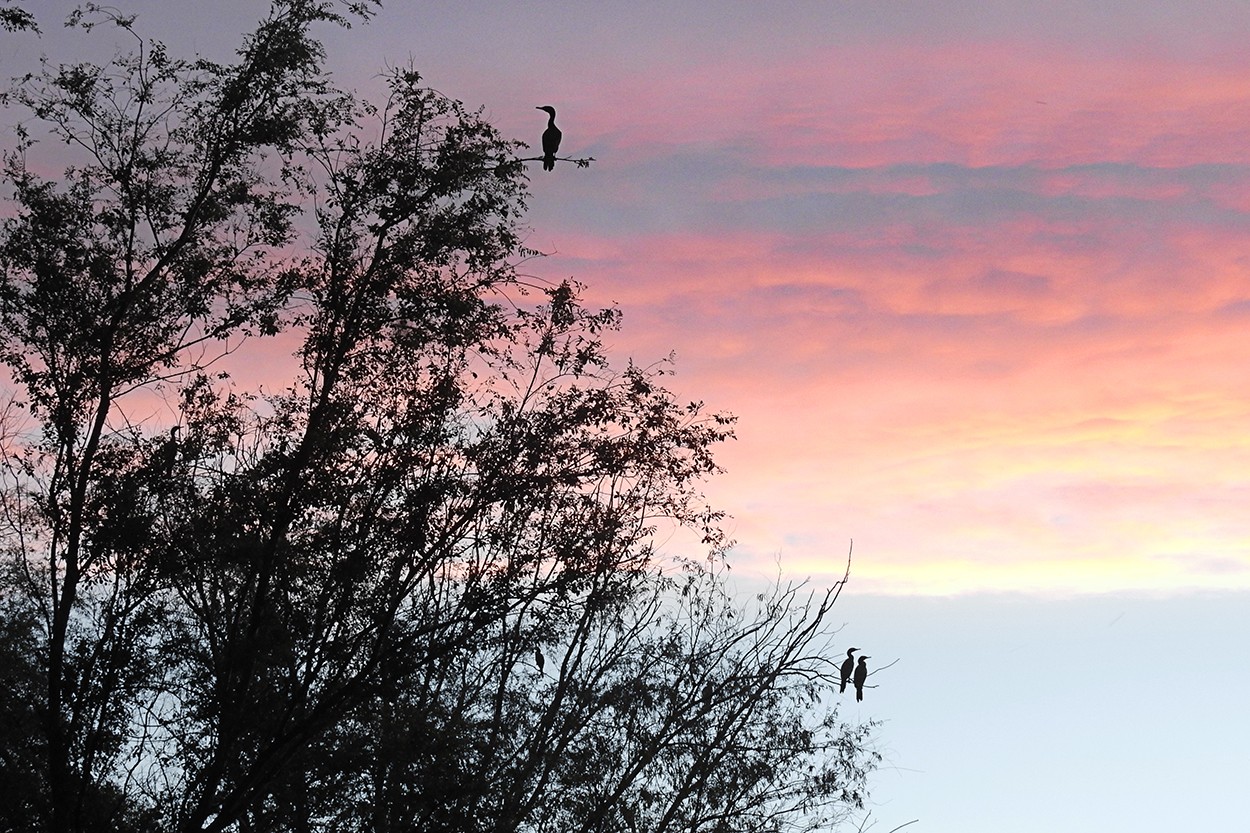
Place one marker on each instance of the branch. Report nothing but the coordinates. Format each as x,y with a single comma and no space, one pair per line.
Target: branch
846,576
904,824
864,826
882,668
583,162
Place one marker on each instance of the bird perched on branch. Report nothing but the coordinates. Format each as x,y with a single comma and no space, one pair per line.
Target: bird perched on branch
861,674
539,660
551,139
169,452
848,665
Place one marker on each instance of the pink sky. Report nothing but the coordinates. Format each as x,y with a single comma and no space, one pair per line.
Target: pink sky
983,310
974,276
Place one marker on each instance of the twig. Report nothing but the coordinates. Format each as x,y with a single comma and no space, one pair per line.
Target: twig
864,829
882,668
838,585
904,824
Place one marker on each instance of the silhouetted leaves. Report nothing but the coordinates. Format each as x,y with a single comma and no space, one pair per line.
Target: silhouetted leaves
16,19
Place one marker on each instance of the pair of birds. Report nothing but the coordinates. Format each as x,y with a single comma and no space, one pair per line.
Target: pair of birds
860,673
551,139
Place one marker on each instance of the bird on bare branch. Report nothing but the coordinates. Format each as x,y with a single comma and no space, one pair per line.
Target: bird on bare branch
861,674
551,139
848,665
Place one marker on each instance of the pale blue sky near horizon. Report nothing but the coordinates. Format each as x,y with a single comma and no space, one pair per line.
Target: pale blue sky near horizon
1083,667
1023,714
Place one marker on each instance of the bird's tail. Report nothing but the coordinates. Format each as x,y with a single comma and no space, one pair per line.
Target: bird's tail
842,688
549,163
859,695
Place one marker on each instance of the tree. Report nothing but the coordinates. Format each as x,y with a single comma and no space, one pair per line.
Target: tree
418,585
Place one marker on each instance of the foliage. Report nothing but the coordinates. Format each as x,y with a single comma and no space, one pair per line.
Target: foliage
16,19
416,585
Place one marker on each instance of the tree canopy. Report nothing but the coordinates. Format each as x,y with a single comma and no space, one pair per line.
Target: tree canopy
416,583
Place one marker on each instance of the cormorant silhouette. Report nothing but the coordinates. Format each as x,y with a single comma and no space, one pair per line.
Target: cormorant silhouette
170,452
861,674
848,665
539,660
551,139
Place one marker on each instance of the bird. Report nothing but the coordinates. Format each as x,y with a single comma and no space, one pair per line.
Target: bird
551,139
848,665
861,674
169,452
539,660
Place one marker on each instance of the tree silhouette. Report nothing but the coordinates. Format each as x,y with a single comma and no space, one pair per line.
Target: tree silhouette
415,586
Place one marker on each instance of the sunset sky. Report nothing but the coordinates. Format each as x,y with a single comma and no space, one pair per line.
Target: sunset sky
975,277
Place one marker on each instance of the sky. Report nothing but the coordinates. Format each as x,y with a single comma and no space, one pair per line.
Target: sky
975,278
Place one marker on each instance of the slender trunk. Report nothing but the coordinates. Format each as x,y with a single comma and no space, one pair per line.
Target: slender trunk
65,785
